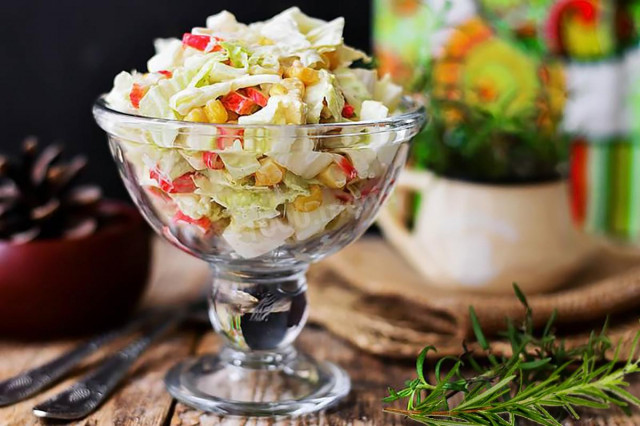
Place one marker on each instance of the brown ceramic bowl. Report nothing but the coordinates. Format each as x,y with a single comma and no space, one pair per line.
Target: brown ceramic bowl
54,288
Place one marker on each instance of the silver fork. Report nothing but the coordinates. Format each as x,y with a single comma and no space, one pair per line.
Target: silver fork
91,391
31,382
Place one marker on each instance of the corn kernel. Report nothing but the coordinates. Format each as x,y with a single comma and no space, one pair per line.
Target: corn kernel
333,177
278,89
311,202
307,75
216,112
196,115
269,173
295,86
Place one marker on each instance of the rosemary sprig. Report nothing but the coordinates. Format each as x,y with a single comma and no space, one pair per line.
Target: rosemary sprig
542,381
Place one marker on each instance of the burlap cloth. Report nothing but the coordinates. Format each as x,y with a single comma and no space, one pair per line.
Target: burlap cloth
368,295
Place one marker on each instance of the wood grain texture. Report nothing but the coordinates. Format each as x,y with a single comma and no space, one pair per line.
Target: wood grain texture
143,400
370,377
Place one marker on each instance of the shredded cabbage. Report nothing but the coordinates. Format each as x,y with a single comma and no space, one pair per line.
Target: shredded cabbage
196,206
262,63
354,87
192,97
253,242
308,224
169,55
387,92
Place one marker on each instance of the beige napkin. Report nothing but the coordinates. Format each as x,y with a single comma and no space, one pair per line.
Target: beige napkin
368,295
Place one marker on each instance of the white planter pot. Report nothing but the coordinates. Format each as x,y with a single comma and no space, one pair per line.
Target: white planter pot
482,238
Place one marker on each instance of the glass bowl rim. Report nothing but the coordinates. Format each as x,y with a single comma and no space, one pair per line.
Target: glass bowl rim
415,114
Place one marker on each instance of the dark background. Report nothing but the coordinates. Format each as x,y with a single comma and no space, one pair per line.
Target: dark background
57,56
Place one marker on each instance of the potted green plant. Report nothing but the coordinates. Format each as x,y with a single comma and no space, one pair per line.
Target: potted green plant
70,262
490,203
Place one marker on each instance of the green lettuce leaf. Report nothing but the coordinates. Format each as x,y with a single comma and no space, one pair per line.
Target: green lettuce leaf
238,55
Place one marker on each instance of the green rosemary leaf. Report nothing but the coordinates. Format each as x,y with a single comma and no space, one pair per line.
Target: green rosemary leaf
458,385
540,378
572,411
584,402
477,329
441,361
624,395
420,362
550,322
634,348
532,365
393,395
520,295
486,396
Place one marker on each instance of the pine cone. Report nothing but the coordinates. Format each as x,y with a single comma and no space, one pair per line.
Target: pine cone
39,199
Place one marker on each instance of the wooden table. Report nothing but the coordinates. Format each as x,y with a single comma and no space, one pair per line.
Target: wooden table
142,400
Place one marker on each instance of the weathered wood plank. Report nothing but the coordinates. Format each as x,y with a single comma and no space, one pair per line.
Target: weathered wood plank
141,400
144,401
370,376
17,357
363,407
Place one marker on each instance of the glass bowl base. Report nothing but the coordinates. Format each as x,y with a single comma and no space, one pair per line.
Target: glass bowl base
274,387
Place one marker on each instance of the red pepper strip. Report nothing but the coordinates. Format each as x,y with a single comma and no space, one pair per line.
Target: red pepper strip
348,111
166,73
137,92
238,103
180,185
212,160
228,136
256,96
201,42
184,183
347,168
157,192
203,223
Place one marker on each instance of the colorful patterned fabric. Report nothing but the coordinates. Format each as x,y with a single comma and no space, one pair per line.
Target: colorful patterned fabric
406,32
605,188
500,55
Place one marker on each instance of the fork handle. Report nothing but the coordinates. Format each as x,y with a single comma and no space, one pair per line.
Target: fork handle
33,381
86,395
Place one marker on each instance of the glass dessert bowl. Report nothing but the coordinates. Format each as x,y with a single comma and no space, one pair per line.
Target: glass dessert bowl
289,195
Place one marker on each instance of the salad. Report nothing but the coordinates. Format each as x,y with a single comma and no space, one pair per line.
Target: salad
258,189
